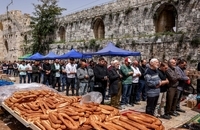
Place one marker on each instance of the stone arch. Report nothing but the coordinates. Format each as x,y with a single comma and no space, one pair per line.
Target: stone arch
9,28
6,45
165,18
61,33
1,26
25,39
99,28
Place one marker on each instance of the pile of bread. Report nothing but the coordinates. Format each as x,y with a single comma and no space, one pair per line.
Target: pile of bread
51,111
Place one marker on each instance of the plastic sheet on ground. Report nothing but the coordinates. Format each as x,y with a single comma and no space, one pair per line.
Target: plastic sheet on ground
92,97
8,90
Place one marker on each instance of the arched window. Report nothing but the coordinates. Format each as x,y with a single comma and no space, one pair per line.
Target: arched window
99,28
165,18
1,26
62,33
6,45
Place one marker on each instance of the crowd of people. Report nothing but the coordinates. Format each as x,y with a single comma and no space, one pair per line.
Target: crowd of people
158,83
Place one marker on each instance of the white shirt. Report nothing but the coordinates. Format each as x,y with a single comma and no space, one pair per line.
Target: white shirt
22,69
135,72
57,67
71,68
29,67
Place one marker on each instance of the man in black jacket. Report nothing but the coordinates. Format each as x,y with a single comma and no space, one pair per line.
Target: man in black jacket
101,78
115,84
47,72
35,72
141,90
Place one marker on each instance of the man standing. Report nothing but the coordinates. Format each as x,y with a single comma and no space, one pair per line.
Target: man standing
56,74
163,92
115,84
83,77
101,78
91,74
47,73
127,79
71,75
141,90
134,99
153,83
22,72
173,77
36,72
182,82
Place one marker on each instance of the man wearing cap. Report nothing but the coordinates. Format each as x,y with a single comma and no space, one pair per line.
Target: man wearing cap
71,75
127,79
115,76
101,78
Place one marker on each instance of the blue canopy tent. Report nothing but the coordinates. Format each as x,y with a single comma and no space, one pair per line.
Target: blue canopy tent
112,50
73,54
36,56
50,56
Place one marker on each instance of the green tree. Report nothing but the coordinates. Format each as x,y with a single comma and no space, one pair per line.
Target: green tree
45,24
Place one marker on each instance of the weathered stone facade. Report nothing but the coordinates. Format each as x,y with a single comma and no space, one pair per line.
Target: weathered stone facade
14,28
161,28
156,28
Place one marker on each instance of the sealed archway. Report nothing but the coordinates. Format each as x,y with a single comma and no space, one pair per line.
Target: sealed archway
1,26
165,18
6,45
99,28
61,33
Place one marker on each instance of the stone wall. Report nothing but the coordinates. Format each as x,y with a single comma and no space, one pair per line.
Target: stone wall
156,28
13,30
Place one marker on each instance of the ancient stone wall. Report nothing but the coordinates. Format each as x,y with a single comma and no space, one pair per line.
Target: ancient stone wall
156,28
13,30
161,28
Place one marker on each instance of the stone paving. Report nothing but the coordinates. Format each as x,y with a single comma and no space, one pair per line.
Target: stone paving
175,121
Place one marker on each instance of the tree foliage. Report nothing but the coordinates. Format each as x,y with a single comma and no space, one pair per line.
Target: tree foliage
45,24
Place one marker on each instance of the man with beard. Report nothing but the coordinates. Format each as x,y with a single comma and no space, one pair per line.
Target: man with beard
47,73
83,77
182,82
127,79
153,83
160,111
71,75
101,78
35,72
173,77
141,90
115,84
56,74
134,99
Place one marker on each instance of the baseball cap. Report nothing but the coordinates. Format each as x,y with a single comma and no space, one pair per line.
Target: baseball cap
127,60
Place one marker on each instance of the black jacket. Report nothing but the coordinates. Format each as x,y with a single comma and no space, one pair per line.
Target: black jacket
46,67
114,79
142,70
163,76
100,72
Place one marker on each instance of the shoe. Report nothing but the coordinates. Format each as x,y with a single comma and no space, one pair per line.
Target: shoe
128,105
120,108
174,114
177,113
137,103
180,110
123,107
166,116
